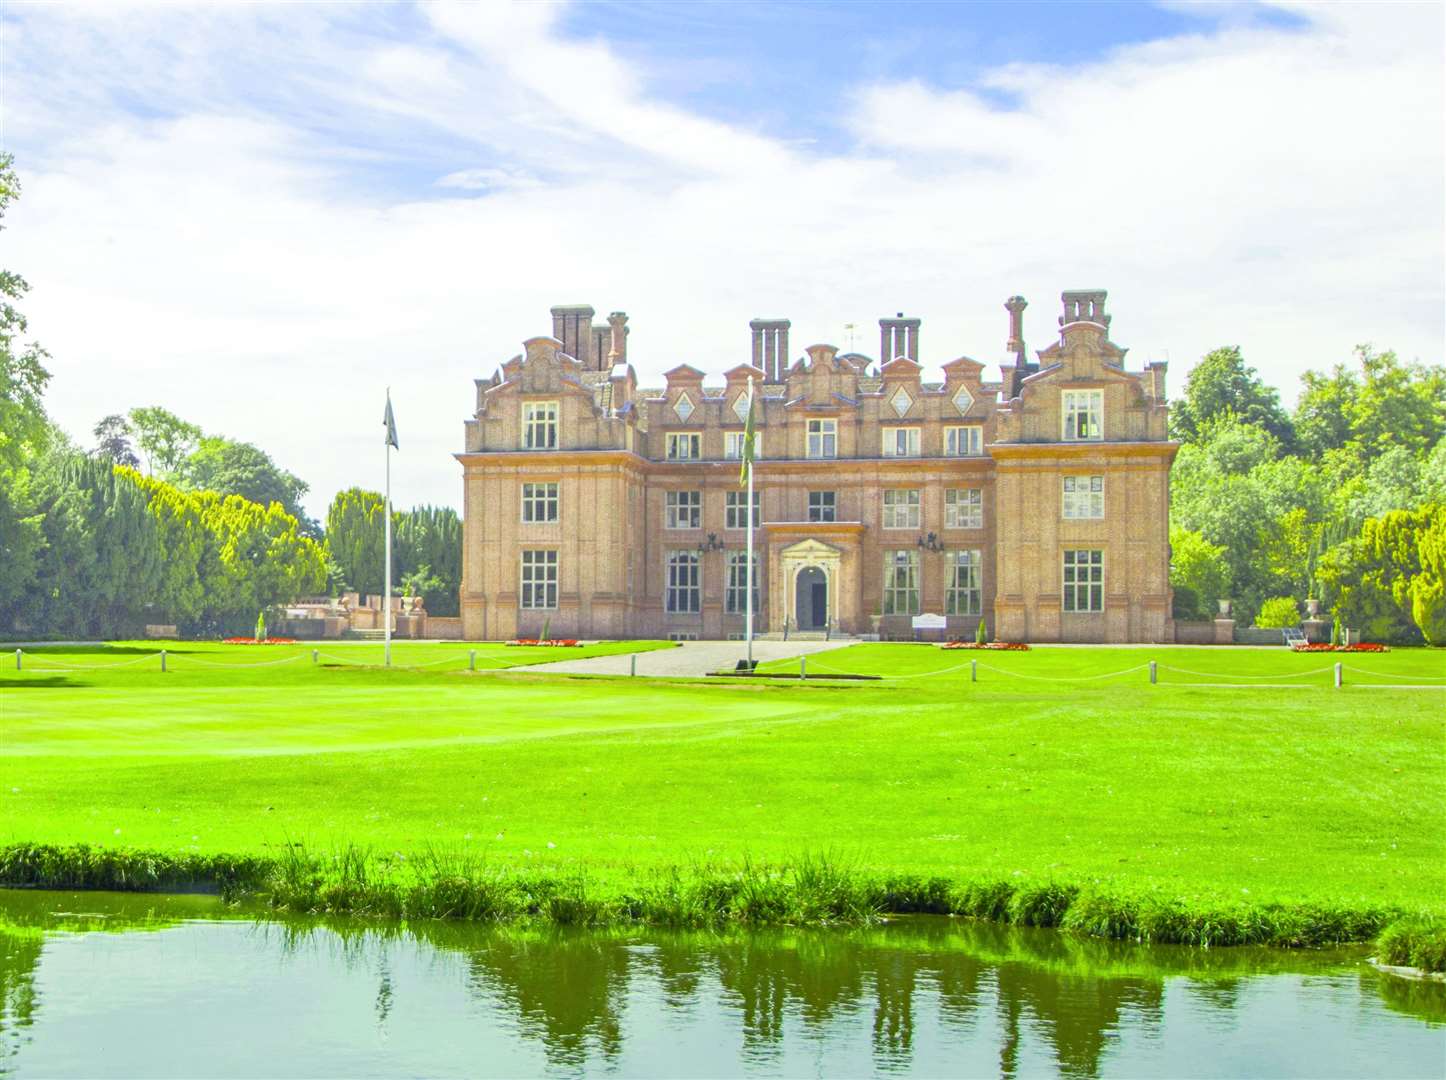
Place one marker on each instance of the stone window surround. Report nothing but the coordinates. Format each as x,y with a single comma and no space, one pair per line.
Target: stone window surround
889,440
828,429
958,507
733,444
1085,505
965,598
911,507
545,504
675,507
691,439
1092,409
735,509
901,599
826,509
974,442
734,600
1090,586
682,582
537,575
540,424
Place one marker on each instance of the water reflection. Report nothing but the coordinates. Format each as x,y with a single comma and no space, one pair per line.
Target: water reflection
925,995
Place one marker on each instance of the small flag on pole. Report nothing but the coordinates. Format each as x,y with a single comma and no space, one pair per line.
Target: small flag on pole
391,423
748,441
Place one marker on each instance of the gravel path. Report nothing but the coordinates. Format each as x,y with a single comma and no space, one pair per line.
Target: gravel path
691,658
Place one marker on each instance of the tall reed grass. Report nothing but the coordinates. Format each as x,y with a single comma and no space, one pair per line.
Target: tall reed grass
813,890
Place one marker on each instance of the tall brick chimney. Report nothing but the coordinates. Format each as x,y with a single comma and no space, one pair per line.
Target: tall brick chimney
617,352
1084,305
898,337
770,348
572,325
1022,369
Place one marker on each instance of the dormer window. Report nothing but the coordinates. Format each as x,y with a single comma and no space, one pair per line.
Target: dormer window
901,401
901,442
822,438
684,445
1084,413
539,425
740,409
963,400
683,407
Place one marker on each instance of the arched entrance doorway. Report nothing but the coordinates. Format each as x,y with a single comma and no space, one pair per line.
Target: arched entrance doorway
810,602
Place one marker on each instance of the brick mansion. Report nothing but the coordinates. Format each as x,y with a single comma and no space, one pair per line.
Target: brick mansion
1038,502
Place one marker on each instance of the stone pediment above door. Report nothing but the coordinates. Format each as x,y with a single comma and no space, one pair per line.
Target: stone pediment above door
810,549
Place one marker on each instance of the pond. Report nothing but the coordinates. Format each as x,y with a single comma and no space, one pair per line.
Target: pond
140,985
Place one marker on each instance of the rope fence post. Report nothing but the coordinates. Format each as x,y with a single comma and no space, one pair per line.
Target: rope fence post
18,654
973,670
1338,675
471,659
1152,673
803,667
163,660
315,655
633,664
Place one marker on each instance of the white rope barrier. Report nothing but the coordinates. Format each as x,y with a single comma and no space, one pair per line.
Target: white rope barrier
1236,675
1068,678
1392,674
50,665
188,659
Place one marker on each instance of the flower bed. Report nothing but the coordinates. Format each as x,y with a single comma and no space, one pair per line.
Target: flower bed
567,643
258,641
1002,646
1364,646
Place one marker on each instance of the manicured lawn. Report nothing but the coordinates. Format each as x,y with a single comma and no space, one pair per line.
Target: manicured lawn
1303,793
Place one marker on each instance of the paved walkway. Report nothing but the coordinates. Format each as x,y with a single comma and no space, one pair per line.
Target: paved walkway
691,658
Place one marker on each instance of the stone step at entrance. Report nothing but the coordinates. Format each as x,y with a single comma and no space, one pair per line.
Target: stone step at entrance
807,635
365,635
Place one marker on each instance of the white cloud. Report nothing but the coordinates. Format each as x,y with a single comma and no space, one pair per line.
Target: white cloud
242,256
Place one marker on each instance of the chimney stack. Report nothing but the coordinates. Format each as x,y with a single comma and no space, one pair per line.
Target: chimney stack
1084,305
770,348
572,325
898,337
1015,305
618,348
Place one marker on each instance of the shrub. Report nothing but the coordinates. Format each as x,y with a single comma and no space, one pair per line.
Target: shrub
1278,613
981,633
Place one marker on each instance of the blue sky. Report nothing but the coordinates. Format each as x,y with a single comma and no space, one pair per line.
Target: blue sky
257,215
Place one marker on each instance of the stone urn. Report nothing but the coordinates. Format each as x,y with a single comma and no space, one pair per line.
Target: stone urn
1312,608
1224,609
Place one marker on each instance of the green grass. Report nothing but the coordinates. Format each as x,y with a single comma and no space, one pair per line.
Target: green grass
1106,804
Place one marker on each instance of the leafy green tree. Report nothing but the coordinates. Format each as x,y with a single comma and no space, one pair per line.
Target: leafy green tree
1373,579
1389,403
1428,588
1199,574
1222,385
429,538
355,536
1278,613
239,468
164,438
102,560
23,376
113,441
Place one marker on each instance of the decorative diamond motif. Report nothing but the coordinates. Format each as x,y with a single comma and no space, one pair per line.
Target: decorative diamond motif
901,401
740,407
683,407
963,400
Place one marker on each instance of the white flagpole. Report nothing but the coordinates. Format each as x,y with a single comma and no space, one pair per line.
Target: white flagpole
387,584
748,572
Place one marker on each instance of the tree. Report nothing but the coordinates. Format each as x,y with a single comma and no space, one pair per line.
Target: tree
164,438
1222,385
1278,613
429,538
113,441
1388,404
355,537
1199,574
1428,589
1376,579
239,468
23,376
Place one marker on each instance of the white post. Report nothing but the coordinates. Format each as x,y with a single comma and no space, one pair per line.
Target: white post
387,582
18,654
748,565
1338,676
